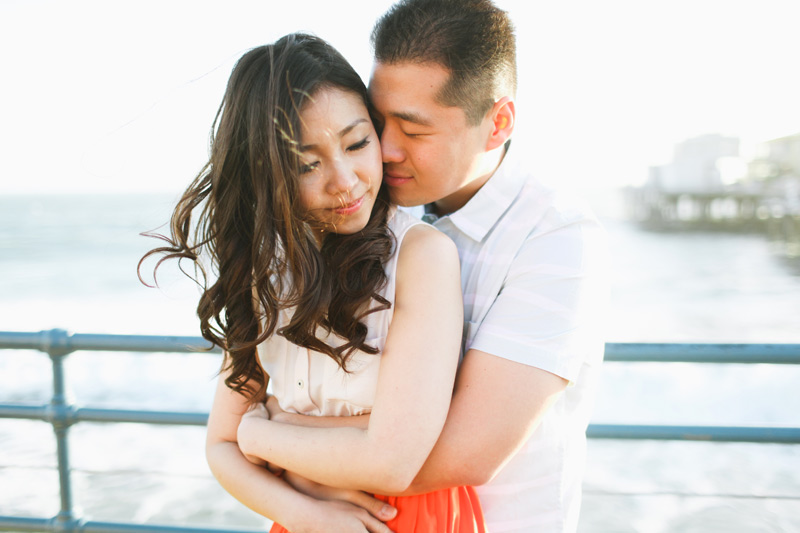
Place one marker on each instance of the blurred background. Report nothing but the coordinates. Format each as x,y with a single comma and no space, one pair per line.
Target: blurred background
679,121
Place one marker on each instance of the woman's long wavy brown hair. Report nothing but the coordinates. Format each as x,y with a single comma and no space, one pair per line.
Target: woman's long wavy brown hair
242,212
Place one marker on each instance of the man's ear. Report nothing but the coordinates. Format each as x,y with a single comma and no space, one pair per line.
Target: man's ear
502,116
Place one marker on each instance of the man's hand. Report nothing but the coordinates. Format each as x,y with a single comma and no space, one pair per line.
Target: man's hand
378,509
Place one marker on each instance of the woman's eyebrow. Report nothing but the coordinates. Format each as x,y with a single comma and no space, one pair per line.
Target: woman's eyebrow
347,129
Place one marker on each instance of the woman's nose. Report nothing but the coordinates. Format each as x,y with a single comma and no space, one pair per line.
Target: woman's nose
342,178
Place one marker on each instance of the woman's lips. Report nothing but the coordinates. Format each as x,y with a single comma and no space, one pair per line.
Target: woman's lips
350,208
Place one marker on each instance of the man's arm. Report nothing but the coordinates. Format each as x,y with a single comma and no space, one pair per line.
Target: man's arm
496,406
542,327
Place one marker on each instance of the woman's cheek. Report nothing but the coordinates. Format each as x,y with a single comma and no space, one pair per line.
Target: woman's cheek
308,199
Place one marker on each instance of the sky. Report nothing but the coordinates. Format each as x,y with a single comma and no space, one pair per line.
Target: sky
106,97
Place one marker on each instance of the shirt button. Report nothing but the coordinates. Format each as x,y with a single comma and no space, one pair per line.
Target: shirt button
300,383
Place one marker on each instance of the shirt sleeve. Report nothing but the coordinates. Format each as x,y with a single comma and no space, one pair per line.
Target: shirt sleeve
549,311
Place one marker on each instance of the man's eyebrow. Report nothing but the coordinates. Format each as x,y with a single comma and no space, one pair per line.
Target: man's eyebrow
347,129
410,116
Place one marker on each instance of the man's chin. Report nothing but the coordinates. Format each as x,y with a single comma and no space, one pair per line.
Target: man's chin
404,200
397,199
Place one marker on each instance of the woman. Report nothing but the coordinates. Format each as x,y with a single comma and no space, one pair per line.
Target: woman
312,265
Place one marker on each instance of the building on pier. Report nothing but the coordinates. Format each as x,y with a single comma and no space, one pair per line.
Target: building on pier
701,186
776,168
707,185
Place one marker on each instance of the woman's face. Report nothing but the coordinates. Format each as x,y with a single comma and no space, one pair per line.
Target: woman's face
341,166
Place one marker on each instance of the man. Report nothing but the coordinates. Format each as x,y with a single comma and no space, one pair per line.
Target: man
533,263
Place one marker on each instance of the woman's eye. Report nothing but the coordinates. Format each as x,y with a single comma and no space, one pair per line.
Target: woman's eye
305,169
359,145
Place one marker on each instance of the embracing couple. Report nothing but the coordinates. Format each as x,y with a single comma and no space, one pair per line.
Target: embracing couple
428,376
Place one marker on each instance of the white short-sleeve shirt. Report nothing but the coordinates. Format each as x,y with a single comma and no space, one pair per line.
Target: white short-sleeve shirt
534,276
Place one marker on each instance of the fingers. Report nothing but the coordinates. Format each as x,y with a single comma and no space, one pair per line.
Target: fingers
274,469
255,460
374,525
301,484
343,516
377,508
273,406
257,410
272,401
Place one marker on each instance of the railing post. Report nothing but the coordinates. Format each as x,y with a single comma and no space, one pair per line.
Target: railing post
56,343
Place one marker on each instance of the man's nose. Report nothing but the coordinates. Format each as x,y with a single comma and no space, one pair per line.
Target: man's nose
391,150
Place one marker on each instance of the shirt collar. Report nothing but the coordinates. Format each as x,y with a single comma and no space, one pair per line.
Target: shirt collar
483,210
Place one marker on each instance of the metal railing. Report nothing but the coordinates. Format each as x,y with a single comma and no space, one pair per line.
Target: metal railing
62,414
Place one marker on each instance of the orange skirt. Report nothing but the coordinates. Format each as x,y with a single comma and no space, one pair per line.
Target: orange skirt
455,510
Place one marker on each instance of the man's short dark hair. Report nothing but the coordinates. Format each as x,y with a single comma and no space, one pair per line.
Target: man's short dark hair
473,39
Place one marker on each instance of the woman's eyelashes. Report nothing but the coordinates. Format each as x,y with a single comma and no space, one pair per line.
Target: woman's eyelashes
309,167
360,145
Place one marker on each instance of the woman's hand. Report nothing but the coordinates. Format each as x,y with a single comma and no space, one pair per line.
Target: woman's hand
342,510
341,517
255,412
377,508
274,411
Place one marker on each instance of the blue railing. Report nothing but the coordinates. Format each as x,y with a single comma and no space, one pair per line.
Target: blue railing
62,414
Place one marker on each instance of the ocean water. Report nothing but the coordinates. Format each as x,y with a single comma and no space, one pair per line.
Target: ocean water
70,262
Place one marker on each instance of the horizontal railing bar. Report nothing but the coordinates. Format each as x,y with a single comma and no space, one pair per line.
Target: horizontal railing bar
141,343
775,435
86,414
625,352
111,527
703,353
779,435
27,412
48,340
12,523
686,494
146,417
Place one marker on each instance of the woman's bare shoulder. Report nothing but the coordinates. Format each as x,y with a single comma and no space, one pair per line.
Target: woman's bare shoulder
426,250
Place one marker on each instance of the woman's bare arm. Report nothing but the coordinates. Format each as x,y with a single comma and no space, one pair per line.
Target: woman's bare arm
265,493
414,388
279,415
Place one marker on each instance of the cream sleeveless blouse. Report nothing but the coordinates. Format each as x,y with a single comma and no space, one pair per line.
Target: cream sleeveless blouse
309,382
